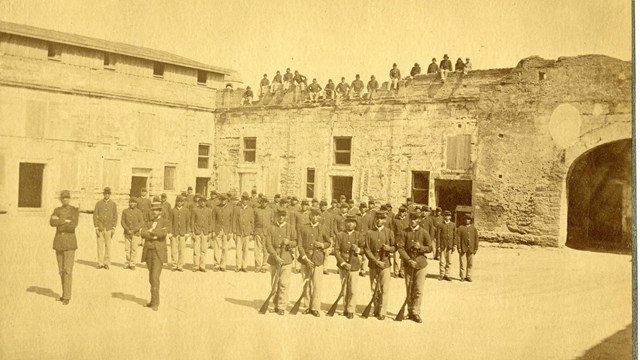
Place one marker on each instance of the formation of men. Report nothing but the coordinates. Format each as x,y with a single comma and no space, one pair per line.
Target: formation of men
355,90
290,237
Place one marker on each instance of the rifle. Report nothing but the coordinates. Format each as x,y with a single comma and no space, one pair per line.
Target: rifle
274,289
367,310
333,308
400,315
296,306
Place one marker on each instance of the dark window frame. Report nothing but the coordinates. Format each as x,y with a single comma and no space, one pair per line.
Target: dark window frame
420,190
202,157
202,75
311,185
248,152
54,52
158,69
339,153
172,185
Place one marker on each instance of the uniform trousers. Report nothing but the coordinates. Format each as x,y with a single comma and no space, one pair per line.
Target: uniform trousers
313,290
466,265
381,299
65,269
200,247
260,252
178,248
445,262
393,83
131,243
154,264
242,243
415,278
281,298
104,247
349,289
221,244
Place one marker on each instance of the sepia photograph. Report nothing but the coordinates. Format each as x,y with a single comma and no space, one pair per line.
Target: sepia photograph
360,179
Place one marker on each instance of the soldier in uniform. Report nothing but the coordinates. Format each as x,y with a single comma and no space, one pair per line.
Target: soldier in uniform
180,221
65,244
223,217
132,222
427,223
399,223
349,246
467,242
413,245
363,221
213,200
105,219
264,218
201,228
244,225
341,217
447,242
436,218
312,240
315,204
144,204
189,199
328,221
379,245
292,218
253,201
154,252
280,241
275,204
166,207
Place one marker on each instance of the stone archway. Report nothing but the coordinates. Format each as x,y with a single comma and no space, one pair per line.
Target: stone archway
599,200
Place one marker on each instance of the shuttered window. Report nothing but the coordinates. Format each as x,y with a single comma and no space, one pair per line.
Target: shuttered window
459,152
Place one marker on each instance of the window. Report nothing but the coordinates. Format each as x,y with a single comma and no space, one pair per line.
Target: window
250,149
342,150
311,183
459,152
203,156
109,61
202,77
30,183
158,69
542,75
420,187
54,52
170,177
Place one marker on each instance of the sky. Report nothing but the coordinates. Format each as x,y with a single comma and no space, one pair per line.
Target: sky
330,39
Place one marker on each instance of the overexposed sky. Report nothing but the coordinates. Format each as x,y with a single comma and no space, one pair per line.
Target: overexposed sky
329,38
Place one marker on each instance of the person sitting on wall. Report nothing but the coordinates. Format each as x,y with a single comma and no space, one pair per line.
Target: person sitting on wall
372,88
415,70
314,91
394,77
247,97
288,80
445,67
330,90
357,87
433,67
467,66
277,81
342,90
299,80
459,65
264,85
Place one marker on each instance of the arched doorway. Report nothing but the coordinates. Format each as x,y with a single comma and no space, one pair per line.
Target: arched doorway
599,198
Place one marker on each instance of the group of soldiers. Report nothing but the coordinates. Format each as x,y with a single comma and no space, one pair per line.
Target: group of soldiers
344,90
290,236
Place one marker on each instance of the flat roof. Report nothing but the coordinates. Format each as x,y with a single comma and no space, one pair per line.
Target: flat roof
111,47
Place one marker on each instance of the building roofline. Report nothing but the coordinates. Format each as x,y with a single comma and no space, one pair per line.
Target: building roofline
112,47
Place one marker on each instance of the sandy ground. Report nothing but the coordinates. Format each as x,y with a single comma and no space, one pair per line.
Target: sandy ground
533,303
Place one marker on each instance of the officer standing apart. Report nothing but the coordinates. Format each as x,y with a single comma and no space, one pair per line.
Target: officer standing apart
65,220
467,241
132,222
312,240
349,245
154,251
379,245
105,218
280,239
413,246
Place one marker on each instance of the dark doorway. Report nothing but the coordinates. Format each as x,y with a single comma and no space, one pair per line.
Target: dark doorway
202,186
341,185
451,193
137,183
599,198
30,185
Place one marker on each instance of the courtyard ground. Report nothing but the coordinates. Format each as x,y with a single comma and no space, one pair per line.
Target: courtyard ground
527,303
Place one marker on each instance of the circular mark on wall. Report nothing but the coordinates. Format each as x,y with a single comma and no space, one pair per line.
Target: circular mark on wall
564,125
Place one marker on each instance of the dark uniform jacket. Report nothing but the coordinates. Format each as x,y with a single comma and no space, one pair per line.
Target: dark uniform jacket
65,238
155,238
180,221
467,239
344,251
189,201
307,238
446,235
374,239
244,220
213,202
105,215
428,224
166,210
340,220
144,205
328,220
223,218
302,219
363,221
414,244
275,237
399,224
437,220
132,221
263,220
201,220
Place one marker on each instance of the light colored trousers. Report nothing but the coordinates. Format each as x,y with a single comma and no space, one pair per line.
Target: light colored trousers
200,247
466,264
313,290
242,243
445,262
104,246
65,269
281,299
416,292
382,296
178,246
221,245
260,252
350,289
131,243
393,84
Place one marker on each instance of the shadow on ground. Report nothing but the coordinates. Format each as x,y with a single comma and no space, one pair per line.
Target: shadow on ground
616,346
95,264
128,297
43,291
255,304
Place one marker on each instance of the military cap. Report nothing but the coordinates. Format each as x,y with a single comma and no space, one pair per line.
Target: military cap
65,194
314,200
229,193
380,215
143,190
163,196
344,206
413,216
304,202
468,216
363,205
350,218
222,197
179,198
447,212
294,198
281,213
277,196
389,205
156,205
343,197
261,196
184,193
438,209
409,199
403,209
245,196
372,202
383,208
283,201
254,191
133,200
189,188
106,190
334,201
351,201
323,202
425,208
288,197
156,199
315,212
200,198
